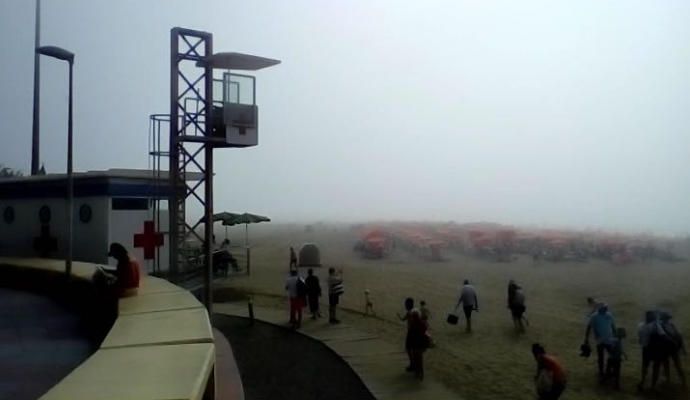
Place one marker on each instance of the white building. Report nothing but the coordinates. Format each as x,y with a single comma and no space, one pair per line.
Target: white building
109,206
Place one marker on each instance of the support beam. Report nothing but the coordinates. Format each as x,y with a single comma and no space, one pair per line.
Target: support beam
189,141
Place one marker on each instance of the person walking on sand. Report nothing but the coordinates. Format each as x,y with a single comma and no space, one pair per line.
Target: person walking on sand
419,342
673,346
604,328
409,306
313,293
335,290
551,378
616,357
425,315
648,333
296,289
516,304
293,259
468,299
417,339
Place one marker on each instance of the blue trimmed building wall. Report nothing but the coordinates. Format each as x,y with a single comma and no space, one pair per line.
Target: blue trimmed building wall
108,207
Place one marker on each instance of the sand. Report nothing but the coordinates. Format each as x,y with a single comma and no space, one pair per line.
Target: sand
493,362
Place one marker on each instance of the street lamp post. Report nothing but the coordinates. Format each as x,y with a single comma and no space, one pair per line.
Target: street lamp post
64,55
35,134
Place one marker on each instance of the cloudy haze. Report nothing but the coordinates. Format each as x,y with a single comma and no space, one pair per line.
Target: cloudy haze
517,112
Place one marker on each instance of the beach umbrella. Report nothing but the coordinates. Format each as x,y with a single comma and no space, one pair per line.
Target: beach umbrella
222,217
246,219
226,218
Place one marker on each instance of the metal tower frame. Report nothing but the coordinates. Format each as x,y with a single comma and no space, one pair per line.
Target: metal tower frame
158,129
191,147
192,141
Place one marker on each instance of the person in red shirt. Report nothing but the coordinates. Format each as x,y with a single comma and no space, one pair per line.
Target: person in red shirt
127,272
550,378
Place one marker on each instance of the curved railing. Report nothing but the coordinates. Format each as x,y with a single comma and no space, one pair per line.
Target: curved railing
160,345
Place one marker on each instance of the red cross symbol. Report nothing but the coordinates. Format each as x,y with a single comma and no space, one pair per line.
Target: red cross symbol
149,240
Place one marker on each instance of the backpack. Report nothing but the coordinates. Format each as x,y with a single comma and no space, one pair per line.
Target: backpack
519,298
671,336
301,288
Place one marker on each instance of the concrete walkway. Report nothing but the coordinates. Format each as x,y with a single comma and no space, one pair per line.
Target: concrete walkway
378,363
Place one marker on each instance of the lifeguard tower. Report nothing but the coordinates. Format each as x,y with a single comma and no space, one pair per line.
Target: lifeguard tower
211,106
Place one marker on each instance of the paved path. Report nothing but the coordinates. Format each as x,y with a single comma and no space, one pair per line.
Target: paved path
378,363
40,343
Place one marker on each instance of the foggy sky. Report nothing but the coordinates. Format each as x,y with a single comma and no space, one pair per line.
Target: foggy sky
573,114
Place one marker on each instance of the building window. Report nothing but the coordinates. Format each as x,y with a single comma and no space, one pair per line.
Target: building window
85,213
8,214
44,214
130,203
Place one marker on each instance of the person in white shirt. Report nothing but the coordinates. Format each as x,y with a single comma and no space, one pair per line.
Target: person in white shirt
335,290
468,299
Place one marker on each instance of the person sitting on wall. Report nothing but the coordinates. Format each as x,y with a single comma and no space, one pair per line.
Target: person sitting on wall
127,272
